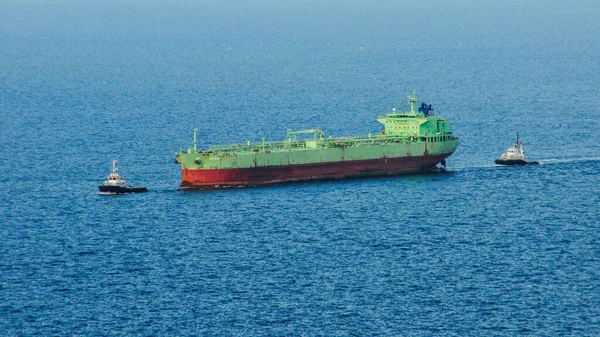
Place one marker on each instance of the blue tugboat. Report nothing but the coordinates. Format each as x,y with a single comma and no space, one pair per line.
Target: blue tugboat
116,185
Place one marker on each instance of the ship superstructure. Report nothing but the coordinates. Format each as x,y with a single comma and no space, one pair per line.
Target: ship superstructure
411,141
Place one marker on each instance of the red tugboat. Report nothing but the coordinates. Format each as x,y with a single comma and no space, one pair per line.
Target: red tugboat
116,185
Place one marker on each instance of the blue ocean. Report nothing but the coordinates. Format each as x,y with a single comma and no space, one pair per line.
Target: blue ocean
478,250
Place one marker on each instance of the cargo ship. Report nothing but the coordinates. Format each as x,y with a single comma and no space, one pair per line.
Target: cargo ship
410,142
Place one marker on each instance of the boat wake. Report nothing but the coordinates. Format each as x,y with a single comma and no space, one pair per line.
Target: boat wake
462,168
550,161
569,160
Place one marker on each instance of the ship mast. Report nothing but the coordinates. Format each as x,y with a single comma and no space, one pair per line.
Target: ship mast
195,142
520,145
412,99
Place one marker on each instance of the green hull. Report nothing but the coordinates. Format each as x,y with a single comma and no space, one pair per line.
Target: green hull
300,154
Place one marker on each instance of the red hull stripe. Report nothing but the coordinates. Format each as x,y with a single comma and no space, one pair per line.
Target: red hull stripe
333,170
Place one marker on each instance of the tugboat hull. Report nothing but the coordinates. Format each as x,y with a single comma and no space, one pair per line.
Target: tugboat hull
515,162
121,189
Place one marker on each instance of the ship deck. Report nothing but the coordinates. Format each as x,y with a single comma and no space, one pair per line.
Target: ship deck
291,145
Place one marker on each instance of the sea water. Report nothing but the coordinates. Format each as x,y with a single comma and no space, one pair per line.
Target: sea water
477,250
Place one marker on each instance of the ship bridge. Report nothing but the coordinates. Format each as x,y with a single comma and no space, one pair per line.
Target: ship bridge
414,123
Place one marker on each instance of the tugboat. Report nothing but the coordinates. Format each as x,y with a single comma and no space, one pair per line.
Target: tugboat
514,155
116,185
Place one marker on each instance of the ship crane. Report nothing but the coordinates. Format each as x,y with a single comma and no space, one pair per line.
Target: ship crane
317,133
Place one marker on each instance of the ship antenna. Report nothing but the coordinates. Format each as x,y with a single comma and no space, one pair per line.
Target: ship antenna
114,166
195,142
